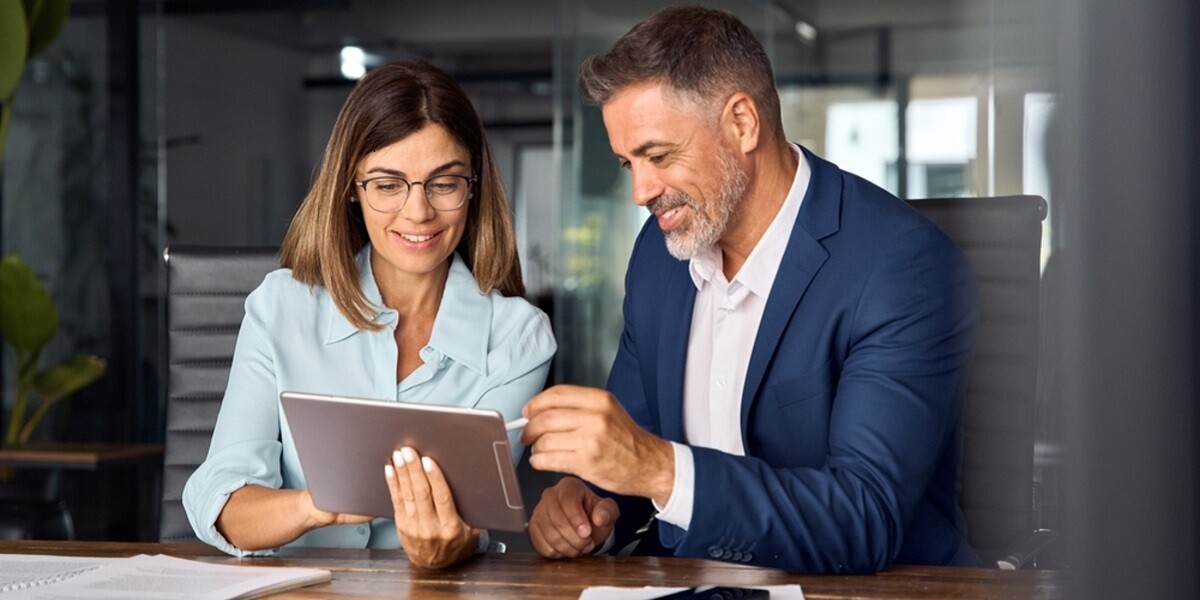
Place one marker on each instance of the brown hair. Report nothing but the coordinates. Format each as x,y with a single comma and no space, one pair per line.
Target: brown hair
703,55
389,104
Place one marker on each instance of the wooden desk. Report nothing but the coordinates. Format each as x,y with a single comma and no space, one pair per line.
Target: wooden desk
386,574
104,472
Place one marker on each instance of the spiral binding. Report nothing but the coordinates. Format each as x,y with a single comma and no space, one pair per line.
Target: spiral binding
25,585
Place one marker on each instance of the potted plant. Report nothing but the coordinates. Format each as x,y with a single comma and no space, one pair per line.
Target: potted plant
28,321
28,318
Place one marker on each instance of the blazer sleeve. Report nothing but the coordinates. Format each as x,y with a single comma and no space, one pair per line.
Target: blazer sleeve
626,384
895,411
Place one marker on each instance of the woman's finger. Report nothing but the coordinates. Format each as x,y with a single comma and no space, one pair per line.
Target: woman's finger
443,498
407,494
419,484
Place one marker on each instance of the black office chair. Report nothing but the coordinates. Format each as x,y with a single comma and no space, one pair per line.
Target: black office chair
206,290
1001,238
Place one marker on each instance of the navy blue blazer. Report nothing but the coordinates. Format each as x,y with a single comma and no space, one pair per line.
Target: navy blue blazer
852,409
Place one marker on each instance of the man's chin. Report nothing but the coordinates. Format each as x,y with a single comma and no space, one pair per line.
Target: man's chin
682,246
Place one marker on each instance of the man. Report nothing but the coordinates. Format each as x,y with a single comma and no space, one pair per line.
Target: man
787,391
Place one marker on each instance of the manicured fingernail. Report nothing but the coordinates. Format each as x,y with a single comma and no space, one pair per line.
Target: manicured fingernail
389,471
408,453
397,457
427,464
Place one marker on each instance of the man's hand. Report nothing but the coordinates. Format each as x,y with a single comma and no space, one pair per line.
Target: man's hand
585,432
571,520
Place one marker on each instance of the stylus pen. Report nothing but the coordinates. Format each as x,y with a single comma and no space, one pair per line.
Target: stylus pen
515,424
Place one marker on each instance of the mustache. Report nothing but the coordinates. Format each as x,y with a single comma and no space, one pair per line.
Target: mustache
667,202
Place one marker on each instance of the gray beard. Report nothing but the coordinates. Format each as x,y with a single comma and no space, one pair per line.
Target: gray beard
705,229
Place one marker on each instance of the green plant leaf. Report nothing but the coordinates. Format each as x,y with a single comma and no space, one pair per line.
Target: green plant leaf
63,380
57,383
45,23
14,42
28,318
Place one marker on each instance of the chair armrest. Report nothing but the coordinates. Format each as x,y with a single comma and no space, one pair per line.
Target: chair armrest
1025,552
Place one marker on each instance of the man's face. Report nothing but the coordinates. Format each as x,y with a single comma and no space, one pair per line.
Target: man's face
683,170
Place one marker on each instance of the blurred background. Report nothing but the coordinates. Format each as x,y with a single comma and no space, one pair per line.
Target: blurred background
163,122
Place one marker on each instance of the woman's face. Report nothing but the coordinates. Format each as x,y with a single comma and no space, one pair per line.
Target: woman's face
416,240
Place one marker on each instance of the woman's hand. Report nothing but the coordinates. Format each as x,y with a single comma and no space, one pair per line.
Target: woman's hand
322,518
432,533
258,518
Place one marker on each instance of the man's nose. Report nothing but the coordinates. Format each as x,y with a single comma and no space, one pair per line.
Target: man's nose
646,185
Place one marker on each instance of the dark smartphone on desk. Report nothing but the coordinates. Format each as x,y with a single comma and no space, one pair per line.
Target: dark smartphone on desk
718,593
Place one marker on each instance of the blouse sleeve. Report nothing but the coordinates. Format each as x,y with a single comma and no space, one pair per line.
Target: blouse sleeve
245,447
522,359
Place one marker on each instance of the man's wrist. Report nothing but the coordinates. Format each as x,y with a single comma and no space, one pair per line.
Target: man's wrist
662,483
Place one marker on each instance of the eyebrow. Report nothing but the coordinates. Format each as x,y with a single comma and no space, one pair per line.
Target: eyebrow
398,173
643,148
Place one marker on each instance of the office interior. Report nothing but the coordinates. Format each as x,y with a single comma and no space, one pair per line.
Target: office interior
169,122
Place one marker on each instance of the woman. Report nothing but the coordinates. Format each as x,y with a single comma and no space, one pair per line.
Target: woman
400,281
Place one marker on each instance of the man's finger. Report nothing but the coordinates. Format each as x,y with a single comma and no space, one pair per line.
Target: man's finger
565,396
538,538
568,520
604,513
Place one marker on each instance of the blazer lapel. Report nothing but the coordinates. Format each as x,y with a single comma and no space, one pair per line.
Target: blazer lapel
679,298
804,256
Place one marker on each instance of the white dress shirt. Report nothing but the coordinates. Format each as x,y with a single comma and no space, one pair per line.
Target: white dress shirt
725,321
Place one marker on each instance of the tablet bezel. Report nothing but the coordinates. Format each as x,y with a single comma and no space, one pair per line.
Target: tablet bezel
344,442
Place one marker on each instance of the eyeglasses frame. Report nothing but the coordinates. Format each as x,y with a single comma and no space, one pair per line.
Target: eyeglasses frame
471,181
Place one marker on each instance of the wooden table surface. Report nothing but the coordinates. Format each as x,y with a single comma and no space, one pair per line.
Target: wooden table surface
77,456
386,574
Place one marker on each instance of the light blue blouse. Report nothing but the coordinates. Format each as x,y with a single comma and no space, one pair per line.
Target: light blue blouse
485,351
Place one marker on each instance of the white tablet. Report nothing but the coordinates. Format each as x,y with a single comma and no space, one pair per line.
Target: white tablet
343,444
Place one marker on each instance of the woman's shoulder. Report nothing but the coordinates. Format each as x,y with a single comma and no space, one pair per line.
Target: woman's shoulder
516,321
514,311
279,290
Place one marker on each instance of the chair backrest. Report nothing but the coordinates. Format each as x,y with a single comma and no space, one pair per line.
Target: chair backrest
206,290
1002,239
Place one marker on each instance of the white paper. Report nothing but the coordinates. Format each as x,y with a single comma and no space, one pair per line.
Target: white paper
778,592
169,578
17,570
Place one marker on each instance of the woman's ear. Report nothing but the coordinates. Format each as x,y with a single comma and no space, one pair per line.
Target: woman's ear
741,123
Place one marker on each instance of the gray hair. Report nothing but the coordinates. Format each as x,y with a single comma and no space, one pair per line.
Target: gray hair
702,55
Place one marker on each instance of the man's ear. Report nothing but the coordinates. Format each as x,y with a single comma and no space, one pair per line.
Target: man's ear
741,123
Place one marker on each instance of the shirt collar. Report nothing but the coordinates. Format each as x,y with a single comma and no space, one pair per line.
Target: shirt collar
758,272
460,329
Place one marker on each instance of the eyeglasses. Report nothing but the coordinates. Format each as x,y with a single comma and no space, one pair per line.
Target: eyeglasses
389,194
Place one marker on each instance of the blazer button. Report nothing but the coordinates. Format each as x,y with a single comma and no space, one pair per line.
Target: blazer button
737,555
747,557
727,554
714,551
